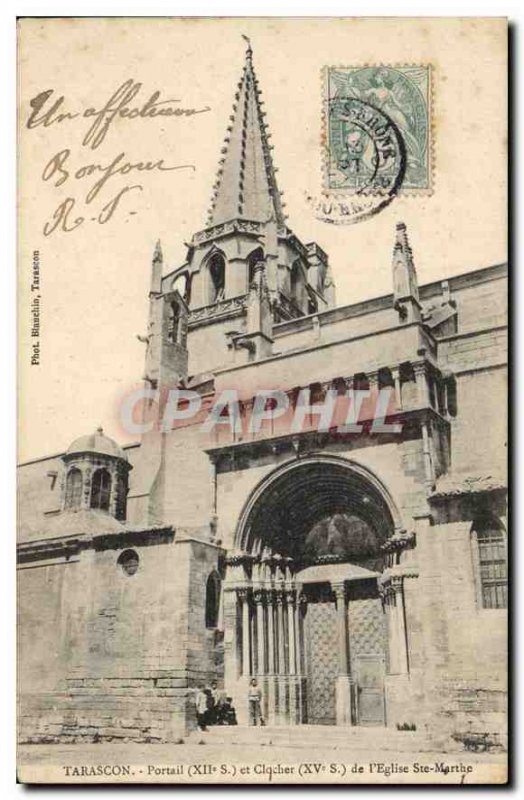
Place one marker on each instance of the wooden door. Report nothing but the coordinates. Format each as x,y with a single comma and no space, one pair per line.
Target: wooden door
369,677
322,663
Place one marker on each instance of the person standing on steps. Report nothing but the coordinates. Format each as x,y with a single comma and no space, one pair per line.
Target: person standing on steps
254,697
218,696
201,708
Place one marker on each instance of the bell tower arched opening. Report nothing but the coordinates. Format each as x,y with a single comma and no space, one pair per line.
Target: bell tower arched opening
217,278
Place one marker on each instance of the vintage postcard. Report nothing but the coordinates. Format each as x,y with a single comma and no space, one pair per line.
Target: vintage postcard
262,287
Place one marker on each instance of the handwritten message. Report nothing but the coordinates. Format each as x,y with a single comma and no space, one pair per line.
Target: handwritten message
97,188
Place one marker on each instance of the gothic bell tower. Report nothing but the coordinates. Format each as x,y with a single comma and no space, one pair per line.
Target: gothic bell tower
246,234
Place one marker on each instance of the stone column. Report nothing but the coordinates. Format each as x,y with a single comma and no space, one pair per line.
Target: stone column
301,613
281,701
291,603
87,475
400,700
429,473
345,686
271,667
422,385
232,655
293,681
243,596
271,656
213,520
113,495
258,596
342,625
372,382
301,609
398,392
281,651
445,398
399,624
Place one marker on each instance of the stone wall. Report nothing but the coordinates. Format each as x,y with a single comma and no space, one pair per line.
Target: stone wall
456,648
105,655
109,656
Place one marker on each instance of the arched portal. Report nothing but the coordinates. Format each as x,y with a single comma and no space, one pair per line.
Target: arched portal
311,624
290,510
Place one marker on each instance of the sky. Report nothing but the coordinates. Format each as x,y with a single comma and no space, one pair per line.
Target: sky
94,278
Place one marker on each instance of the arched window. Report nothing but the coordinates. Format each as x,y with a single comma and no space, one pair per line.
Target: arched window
408,385
182,285
441,396
451,388
295,281
173,323
489,543
385,378
73,493
101,490
361,382
212,600
253,259
340,386
217,278
316,393
432,392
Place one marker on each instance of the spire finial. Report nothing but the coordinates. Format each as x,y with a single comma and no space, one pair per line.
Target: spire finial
100,430
405,285
401,232
155,286
157,254
246,183
249,50
402,241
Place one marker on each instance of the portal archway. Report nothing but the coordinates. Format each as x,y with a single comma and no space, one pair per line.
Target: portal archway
301,493
311,625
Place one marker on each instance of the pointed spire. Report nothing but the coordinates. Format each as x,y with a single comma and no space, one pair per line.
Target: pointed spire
402,242
156,270
157,255
246,185
405,282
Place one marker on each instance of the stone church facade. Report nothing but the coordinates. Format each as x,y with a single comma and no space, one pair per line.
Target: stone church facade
360,576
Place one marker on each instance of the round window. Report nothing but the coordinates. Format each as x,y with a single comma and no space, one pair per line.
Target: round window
129,561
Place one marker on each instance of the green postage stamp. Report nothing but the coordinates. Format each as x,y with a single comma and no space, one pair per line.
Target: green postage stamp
377,133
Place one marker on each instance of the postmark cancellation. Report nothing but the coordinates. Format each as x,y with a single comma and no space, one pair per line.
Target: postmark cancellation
377,132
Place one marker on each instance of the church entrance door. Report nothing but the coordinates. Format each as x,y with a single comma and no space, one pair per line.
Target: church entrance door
369,677
321,641
303,602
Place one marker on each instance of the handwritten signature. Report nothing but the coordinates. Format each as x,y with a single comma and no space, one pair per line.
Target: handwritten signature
57,168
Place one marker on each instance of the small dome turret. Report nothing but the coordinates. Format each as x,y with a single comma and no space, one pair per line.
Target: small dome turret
96,442
95,476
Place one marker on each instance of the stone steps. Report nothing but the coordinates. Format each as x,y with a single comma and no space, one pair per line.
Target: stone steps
324,736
